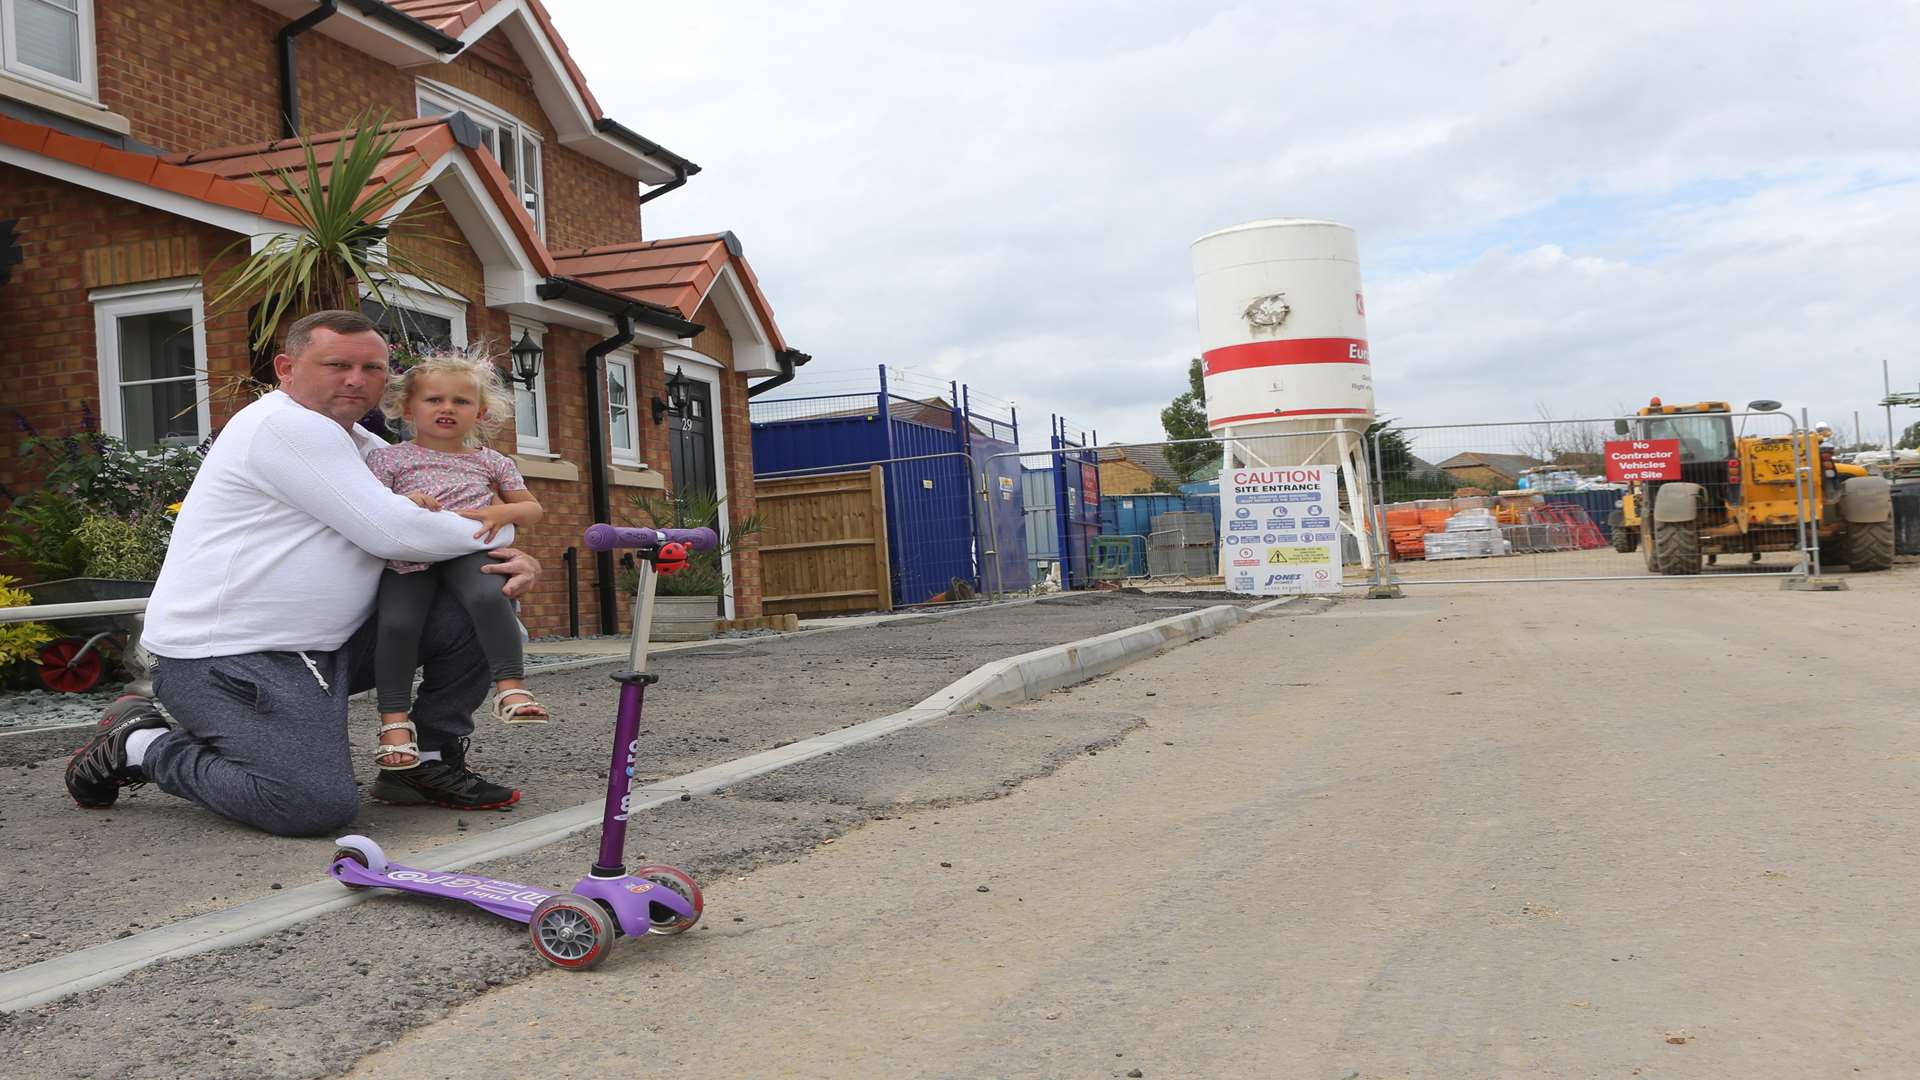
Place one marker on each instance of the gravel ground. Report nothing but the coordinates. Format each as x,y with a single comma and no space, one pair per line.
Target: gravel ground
155,858
23,709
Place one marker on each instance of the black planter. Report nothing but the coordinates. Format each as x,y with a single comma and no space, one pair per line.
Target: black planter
88,590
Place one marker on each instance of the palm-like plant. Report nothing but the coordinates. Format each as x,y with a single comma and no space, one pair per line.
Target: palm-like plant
345,223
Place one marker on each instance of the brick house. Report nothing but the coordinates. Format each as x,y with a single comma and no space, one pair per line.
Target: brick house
1137,470
1489,472
130,135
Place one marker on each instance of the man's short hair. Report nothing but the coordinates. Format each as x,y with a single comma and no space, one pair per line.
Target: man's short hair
300,334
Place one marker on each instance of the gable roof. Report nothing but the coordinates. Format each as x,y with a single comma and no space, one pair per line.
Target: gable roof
224,187
412,33
1152,459
678,273
1504,464
415,157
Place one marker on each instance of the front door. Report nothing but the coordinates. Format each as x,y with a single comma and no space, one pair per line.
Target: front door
690,443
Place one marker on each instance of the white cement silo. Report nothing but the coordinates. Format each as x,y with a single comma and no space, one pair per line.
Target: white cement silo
1283,332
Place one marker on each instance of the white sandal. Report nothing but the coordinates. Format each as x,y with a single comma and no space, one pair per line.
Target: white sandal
512,712
410,750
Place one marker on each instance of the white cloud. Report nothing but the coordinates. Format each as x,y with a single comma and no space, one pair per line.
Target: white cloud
1561,205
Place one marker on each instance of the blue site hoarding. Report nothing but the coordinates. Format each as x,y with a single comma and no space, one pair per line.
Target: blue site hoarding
932,513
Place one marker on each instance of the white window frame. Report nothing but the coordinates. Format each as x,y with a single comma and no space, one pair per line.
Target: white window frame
542,443
86,87
488,115
426,302
113,304
625,360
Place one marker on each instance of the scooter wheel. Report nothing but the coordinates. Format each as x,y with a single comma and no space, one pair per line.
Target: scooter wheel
672,877
571,932
361,850
348,853
69,667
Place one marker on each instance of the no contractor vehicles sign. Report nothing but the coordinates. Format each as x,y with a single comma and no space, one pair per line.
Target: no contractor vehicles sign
1629,460
1279,530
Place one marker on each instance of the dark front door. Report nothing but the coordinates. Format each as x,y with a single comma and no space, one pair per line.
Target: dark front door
690,443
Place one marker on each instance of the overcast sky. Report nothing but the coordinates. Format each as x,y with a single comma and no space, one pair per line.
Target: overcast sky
1560,206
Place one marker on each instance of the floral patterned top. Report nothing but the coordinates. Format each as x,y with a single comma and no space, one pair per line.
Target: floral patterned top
464,481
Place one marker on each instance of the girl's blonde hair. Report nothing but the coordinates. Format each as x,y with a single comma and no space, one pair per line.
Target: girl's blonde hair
475,363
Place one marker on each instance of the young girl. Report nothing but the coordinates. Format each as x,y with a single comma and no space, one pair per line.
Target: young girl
449,404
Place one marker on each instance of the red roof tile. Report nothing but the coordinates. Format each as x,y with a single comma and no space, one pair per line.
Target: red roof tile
452,17
566,58
72,149
146,170
28,137
674,273
127,165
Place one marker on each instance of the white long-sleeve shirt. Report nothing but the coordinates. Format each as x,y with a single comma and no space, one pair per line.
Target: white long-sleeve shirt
282,536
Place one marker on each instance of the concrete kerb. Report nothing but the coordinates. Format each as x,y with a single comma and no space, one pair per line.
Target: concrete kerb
1002,682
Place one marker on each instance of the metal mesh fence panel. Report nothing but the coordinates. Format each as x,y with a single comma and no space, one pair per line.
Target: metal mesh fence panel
1151,513
1681,492
819,407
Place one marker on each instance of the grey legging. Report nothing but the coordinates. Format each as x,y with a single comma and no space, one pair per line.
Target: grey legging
404,602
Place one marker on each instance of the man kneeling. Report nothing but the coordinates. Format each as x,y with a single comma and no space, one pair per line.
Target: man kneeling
262,618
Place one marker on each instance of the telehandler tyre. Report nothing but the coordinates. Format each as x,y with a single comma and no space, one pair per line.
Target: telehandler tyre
1676,548
1624,539
1868,546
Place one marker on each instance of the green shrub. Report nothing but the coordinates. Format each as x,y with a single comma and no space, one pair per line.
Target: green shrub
22,640
39,530
128,549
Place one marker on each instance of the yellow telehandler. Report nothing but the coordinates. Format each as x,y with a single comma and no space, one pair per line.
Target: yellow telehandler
1736,494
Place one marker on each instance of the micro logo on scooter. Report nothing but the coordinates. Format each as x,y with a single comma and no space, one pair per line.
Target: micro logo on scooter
626,799
640,887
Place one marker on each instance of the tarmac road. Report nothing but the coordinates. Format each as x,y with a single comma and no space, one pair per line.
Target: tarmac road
1623,830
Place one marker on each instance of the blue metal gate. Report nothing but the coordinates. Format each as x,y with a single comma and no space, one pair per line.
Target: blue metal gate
1076,493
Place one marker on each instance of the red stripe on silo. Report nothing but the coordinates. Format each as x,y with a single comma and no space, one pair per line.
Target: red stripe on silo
1256,354
1280,413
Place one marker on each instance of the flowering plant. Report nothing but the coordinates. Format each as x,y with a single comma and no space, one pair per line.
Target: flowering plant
99,501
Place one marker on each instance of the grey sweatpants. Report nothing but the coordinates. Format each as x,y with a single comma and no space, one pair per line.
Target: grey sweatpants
262,737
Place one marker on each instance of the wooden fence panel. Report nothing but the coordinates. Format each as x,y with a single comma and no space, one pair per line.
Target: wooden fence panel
823,543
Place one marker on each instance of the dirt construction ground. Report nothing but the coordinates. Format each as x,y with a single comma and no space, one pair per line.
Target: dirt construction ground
1628,829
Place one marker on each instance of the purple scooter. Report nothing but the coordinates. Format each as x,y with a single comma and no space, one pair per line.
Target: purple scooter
576,930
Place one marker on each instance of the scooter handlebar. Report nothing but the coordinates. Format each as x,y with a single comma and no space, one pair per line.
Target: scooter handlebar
609,537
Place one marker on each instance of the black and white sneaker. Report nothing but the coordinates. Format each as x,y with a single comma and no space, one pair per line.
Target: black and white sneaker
98,770
447,782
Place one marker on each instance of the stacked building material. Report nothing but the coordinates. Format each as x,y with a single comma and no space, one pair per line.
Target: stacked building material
1183,544
1470,534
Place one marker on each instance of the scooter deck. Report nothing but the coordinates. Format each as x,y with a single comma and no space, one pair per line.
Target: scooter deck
631,899
507,899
